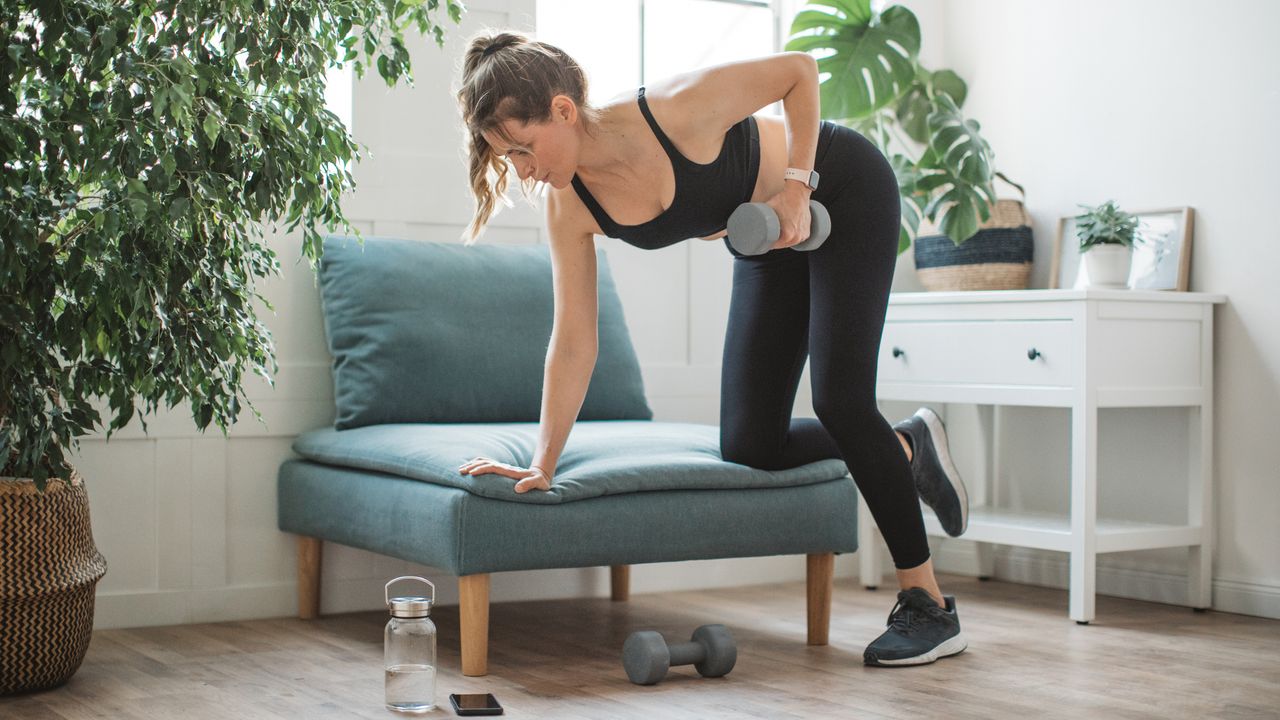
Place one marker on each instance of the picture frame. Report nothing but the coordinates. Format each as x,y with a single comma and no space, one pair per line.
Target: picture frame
1161,259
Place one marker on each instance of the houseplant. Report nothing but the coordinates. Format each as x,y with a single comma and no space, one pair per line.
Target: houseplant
145,145
874,82
1106,235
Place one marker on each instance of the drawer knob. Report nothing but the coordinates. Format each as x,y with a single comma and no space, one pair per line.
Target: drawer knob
897,352
1033,353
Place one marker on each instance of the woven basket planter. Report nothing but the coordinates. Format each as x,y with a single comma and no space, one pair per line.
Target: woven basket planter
998,257
49,567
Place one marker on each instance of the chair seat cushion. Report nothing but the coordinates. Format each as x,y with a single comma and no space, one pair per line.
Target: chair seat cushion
611,457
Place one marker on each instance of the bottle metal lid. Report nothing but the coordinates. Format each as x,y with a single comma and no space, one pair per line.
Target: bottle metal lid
410,606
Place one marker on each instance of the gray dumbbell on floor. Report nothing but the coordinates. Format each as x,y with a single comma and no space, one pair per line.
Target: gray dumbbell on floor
753,228
646,656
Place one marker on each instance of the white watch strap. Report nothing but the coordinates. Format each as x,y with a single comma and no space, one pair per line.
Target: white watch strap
804,176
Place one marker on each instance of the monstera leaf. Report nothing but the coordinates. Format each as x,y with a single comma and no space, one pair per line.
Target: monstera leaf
911,196
913,110
869,58
957,143
946,82
957,206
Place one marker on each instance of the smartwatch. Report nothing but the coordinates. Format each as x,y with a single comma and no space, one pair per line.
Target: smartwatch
808,177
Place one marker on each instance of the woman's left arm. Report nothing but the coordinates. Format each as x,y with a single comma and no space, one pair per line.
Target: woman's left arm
726,94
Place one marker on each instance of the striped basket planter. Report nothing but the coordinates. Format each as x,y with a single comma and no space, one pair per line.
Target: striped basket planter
49,567
998,257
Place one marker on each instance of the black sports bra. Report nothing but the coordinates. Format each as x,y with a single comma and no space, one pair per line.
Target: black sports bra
705,194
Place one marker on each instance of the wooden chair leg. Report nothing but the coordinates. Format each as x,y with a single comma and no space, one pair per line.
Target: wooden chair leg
309,552
473,616
620,582
820,569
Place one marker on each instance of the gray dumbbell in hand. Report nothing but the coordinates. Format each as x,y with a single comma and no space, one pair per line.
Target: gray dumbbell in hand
646,656
754,228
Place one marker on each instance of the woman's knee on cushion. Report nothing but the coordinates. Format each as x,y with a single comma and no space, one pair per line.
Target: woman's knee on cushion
752,449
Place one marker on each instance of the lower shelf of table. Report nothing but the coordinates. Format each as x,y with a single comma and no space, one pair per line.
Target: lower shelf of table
1049,531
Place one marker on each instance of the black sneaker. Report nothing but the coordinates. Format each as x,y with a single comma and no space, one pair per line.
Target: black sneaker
937,480
919,632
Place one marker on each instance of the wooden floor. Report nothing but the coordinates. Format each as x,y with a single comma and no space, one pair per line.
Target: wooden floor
561,659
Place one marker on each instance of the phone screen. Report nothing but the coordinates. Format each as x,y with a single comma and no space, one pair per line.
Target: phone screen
475,701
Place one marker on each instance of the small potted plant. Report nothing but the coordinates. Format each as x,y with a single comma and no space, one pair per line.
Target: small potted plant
1107,235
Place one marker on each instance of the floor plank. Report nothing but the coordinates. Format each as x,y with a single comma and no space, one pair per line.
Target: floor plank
561,659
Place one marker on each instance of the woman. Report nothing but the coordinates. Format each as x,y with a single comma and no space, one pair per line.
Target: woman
672,163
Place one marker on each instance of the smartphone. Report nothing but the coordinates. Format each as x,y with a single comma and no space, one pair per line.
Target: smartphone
475,704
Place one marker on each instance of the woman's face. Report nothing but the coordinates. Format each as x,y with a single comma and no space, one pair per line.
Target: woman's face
545,151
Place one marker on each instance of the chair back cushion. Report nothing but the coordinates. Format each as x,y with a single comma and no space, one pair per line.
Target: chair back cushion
445,333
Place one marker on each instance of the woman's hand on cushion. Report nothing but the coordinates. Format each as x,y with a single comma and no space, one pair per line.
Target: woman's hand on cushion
534,478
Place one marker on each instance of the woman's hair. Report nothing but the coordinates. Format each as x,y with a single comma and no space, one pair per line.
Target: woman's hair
507,76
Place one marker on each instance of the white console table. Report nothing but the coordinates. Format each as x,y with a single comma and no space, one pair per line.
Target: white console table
1078,349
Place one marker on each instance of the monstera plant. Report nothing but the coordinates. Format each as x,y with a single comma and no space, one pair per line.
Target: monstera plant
872,81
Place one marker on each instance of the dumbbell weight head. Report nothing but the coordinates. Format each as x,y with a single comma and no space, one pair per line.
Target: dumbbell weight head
721,653
819,228
753,228
645,657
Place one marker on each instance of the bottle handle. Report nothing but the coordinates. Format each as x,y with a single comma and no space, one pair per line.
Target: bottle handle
386,591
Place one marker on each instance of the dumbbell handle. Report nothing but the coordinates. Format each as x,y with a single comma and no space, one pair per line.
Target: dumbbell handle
686,653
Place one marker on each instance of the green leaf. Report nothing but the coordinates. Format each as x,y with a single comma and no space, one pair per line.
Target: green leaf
961,209
112,222
869,59
958,144
211,128
912,113
179,208
949,83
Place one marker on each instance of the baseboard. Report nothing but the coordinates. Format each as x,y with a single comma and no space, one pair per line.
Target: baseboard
356,594
180,607
1049,569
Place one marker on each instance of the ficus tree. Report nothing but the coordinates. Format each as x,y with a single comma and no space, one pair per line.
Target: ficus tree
146,147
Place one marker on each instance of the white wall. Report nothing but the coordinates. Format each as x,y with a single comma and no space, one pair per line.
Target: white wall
1154,104
187,522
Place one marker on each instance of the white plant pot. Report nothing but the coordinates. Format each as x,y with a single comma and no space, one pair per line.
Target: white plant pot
1108,265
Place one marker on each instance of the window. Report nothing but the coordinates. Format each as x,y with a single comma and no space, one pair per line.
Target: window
337,92
623,44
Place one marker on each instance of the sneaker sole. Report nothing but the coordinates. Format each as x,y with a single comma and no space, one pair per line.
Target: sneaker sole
952,646
940,446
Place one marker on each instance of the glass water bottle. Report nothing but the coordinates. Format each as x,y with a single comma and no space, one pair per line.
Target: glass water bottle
409,650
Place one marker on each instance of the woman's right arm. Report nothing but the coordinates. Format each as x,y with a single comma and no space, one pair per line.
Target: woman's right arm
571,355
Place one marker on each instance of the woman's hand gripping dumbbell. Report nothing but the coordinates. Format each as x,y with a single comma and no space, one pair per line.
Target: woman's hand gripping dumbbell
753,228
646,655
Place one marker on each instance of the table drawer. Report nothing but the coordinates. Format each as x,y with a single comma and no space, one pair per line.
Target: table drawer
978,353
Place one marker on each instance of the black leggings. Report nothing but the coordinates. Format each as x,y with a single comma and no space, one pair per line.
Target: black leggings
828,304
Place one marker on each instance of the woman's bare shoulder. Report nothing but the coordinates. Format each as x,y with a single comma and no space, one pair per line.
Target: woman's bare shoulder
567,214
